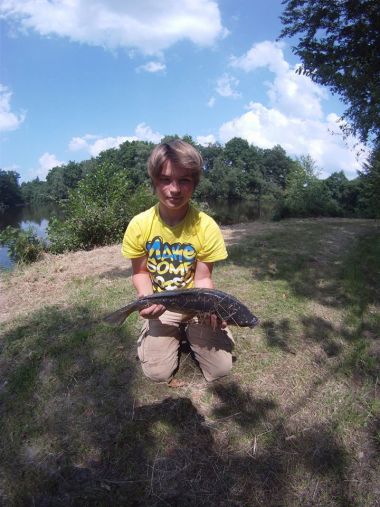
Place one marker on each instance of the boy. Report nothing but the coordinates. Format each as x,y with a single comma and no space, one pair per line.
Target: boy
174,246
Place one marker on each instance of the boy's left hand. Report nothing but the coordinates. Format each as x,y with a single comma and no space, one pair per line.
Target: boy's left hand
216,322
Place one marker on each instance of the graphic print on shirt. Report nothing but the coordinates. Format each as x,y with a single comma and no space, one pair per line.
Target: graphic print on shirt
171,266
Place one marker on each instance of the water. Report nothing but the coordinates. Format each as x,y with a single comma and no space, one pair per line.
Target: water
24,217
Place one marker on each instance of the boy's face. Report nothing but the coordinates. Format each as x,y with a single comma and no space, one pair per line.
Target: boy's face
174,186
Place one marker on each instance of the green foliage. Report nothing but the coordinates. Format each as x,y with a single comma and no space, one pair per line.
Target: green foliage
370,182
34,192
132,157
24,245
98,210
100,195
304,194
344,194
276,165
10,193
338,46
62,179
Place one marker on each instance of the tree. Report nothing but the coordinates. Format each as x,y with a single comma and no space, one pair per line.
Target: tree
338,44
209,154
34,192
304,194
236,151
276,165
98,210
370,182
343,192
61,179
132,157
10,193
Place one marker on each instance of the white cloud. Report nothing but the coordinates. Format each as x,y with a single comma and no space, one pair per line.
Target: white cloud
152,67
262,54
106,143
206,140
93,144
81,143
293,117
145,25
145,133
266,127
292,93
225,86
8,119
46,162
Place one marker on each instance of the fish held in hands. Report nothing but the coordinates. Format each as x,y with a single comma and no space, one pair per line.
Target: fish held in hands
191,301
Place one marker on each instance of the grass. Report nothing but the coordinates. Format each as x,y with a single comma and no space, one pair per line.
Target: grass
296,423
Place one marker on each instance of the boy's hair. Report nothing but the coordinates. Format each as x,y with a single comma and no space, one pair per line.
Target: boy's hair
180,154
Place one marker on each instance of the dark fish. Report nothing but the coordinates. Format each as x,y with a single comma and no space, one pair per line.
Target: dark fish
191,301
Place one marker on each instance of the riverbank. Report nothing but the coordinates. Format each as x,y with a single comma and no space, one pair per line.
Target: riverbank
296,423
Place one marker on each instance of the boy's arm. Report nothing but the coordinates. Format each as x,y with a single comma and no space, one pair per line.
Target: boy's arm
143,285
202,276
203,280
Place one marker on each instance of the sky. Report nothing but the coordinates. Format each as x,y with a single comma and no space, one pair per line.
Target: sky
81,76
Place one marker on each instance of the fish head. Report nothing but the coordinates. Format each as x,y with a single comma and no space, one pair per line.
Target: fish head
254,321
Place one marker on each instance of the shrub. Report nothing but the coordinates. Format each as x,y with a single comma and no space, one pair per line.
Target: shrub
98,210
24,245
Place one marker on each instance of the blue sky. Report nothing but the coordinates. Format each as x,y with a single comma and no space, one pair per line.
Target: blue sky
80,76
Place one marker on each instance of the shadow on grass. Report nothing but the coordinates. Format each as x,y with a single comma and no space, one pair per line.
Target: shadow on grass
239,405
337,266
278,335
319,262
324,332
265,476
73,432
66,383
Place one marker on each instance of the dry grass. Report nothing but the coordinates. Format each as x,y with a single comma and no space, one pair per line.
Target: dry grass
296,423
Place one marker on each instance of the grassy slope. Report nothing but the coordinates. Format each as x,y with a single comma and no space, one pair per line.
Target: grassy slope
297,422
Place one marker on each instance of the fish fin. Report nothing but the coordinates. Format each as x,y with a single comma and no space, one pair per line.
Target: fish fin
118,317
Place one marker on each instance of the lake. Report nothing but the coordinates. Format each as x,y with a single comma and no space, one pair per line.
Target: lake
225,213
24,217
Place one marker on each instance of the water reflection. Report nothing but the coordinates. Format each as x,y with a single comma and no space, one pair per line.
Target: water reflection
25,217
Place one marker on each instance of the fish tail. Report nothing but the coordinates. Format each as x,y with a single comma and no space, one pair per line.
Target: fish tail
118,317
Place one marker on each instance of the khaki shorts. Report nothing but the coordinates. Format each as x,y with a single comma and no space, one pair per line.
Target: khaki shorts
160,339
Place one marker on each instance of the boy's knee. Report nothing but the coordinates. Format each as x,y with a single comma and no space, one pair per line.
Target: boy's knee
217,371
157,373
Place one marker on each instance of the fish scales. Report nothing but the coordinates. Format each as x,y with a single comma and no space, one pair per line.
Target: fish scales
191,301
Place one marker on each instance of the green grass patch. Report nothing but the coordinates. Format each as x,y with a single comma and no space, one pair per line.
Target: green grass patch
296,423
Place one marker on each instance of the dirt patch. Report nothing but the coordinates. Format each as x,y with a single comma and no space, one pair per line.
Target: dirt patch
28,288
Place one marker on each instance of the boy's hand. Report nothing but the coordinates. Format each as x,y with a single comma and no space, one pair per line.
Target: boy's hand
215,322
152,312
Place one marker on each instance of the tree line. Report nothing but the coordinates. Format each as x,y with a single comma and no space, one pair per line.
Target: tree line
238,170
99,196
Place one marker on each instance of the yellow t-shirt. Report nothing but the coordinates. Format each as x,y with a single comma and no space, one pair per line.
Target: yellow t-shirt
172,252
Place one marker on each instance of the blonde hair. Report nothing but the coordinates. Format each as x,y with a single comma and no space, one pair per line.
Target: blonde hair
180,154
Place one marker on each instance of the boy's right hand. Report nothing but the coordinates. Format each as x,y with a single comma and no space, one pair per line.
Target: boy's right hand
152,312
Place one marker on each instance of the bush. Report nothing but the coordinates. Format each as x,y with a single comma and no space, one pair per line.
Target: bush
98,210
24,245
